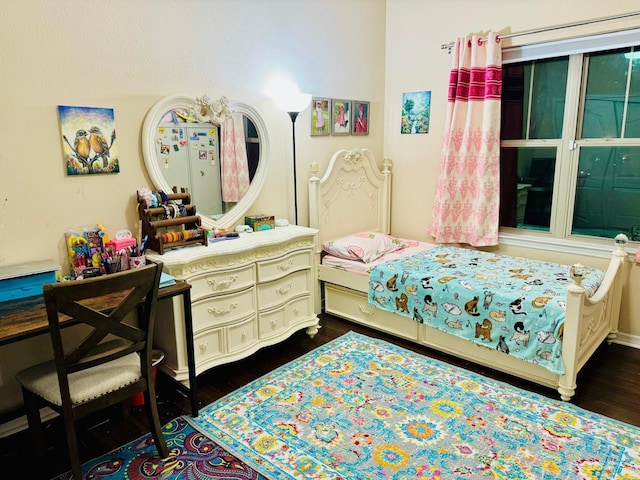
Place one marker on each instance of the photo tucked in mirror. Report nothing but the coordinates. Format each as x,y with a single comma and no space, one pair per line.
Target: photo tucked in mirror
214,150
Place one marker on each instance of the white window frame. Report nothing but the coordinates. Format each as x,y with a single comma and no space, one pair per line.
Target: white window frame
559,237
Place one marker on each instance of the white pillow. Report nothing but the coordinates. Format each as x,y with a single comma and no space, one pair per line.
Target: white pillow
364,246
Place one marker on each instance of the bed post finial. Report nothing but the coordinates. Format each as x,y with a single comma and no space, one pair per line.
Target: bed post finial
621,241
578,272
387,163
314,168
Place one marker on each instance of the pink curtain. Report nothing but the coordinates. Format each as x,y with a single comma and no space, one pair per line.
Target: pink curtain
233,159
467,202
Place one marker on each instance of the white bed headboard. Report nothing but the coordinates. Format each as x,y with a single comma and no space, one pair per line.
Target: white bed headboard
354,195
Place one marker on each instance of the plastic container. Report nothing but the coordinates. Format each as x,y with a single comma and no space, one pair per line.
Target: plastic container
26,279
157,356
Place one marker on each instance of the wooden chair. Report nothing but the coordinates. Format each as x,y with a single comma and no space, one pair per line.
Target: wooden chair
95,372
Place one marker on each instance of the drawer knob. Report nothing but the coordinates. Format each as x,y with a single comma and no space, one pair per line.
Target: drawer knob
203,347
225,311
273,324
366,310
222,284
243,337
285,265
284,290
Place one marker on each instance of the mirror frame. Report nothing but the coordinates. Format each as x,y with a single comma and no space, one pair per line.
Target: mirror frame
149,135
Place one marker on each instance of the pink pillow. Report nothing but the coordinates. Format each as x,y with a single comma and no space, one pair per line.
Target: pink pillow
403,242
364,246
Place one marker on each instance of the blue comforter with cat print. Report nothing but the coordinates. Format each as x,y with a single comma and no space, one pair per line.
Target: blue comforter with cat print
511,304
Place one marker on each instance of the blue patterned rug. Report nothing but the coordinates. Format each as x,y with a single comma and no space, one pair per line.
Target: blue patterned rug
192,456
363,408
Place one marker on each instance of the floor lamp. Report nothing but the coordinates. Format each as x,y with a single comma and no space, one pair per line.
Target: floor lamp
293,105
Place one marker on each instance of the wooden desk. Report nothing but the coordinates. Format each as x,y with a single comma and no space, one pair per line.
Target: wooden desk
27,317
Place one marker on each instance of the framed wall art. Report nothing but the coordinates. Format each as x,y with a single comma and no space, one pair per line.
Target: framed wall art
320,118
340,117
360,118
88,140
416,110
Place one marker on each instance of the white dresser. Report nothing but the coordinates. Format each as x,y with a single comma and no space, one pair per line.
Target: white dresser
246,293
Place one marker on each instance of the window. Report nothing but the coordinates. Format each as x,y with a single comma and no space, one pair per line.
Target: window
570,138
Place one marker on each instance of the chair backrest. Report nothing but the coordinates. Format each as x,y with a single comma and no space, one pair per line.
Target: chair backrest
102,304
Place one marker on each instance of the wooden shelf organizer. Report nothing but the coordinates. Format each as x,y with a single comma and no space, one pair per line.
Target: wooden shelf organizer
154,223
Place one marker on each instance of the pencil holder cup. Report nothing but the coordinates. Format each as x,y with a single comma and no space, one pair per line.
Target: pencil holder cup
137,262
112,265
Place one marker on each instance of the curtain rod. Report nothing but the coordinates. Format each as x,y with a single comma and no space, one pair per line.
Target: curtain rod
449,46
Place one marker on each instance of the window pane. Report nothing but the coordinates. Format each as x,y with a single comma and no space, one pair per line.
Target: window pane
515,100
632,129
544,115
607,199
526,187
549,91
605,94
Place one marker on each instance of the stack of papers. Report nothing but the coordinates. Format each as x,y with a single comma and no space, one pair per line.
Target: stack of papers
166,280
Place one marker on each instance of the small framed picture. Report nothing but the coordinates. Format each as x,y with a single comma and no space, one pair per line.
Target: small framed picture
320,118
340,117
360,118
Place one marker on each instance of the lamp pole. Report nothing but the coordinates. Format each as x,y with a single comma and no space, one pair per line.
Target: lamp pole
290,100
293,116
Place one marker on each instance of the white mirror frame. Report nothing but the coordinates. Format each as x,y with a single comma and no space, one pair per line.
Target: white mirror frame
149,135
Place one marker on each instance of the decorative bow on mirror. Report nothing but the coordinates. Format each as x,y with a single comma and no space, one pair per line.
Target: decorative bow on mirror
210,111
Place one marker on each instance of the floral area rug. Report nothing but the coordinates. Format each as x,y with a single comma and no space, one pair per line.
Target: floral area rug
193,455
363,408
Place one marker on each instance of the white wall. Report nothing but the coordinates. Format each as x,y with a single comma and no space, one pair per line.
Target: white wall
126,55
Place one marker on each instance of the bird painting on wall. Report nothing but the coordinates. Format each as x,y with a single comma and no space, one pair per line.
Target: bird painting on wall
99,145
82,147
91,151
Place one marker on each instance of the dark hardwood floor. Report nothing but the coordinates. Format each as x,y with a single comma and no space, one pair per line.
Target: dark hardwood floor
609,384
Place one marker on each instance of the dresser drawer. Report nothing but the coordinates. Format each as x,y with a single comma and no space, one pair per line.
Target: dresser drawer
208,345
223,309
242,335
269,270
222,281
274,321
278,292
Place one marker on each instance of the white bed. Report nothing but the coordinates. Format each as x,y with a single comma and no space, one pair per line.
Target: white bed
354,196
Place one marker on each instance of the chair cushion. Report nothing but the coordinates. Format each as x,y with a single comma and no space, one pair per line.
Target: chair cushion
94,382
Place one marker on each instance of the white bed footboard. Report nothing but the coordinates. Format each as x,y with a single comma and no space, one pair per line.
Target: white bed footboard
591,320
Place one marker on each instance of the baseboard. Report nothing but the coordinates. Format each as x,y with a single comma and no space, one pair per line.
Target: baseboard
628,340
18,424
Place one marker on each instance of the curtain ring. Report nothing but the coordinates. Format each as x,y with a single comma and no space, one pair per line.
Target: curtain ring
469,44
498,38
479,41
